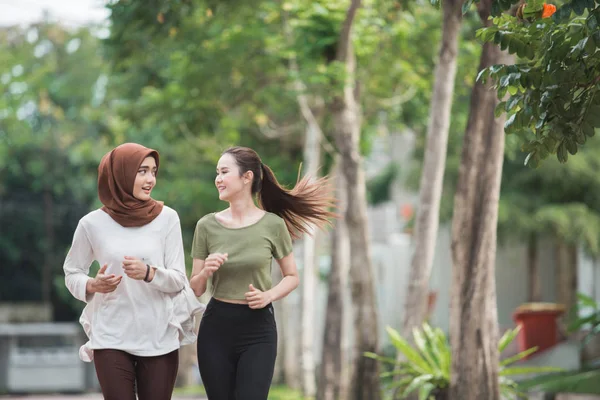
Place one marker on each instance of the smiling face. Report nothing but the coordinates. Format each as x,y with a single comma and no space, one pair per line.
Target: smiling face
230,183
145,180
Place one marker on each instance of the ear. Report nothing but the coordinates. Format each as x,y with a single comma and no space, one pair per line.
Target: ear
248,177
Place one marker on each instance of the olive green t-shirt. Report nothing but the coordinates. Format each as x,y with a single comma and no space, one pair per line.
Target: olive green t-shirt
249,253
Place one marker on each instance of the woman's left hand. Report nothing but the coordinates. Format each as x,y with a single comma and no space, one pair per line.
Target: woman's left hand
256,298
136,269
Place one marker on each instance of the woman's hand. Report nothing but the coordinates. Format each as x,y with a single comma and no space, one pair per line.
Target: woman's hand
257,299
103,283
137,269
212,263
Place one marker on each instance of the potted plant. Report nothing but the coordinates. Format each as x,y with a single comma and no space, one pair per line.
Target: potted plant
539,325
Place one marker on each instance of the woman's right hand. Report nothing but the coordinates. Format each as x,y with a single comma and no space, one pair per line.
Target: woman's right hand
212,263
103,283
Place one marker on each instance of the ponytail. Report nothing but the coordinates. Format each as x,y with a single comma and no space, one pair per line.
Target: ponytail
308,203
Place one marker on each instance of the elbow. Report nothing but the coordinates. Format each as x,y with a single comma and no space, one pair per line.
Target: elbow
296,280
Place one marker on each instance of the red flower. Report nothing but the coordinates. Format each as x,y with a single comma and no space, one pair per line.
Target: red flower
548,10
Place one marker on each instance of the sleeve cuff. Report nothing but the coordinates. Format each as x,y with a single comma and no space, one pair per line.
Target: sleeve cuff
158,278
83,295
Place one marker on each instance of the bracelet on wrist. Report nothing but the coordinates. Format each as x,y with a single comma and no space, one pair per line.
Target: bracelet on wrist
147,273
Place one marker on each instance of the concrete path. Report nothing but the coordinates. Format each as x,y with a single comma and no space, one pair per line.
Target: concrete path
80,397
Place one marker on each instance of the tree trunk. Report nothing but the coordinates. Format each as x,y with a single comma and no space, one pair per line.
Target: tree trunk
312,155
473,311
289,338
330,379
278,373
430,192
535,285
346,120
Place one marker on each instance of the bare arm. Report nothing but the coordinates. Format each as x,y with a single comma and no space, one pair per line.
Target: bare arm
290,279
202,270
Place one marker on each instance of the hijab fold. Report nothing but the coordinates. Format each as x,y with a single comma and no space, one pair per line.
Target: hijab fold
116,176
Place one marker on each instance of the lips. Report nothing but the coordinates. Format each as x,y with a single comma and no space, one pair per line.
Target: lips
221,188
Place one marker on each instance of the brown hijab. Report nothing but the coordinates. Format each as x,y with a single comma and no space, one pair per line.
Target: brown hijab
116,176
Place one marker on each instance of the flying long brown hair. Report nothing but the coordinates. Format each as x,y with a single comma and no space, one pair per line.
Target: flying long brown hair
309,202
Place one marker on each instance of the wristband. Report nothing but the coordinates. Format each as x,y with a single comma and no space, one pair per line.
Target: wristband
147,273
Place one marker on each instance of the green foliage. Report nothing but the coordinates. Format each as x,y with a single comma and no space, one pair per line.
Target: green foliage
554,200
583,382
53,114
590,320
426,366
378,188
552,96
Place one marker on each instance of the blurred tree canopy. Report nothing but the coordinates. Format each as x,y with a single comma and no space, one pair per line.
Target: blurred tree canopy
188,78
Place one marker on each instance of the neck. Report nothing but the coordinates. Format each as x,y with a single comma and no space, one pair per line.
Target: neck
241,208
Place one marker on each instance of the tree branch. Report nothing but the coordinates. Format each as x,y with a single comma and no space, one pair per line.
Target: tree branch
345,42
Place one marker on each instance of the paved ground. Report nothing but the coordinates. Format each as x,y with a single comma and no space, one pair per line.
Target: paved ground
80,397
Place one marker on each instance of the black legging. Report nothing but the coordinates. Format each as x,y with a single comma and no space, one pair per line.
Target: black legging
237,347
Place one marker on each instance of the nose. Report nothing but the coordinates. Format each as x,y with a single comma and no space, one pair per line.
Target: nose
150,178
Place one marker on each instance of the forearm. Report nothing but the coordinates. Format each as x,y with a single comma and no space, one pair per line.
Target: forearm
284,287
198,284
166,280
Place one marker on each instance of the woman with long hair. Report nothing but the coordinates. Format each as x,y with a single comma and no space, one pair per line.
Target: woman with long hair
237,340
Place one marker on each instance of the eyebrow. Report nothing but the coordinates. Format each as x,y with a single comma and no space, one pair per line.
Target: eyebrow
146,167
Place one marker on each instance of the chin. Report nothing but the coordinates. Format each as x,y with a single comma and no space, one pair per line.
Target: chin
223,197
143,197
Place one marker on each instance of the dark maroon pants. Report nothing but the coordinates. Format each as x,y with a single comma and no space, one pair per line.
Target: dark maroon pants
121,374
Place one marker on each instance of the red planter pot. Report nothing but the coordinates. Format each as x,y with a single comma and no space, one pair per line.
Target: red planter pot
539,327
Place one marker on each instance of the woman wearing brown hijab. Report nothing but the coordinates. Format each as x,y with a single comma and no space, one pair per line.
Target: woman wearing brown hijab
131,314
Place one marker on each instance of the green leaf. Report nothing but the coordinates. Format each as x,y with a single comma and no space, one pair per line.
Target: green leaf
406,349
591,335
466,5
385,360
422,345
591,22
563,13
579,47
510,334
512,371
531,160
593,116
417,383
499,109
578,6
578,323
425,391
518,356
561,153
587,301
571,147
482,75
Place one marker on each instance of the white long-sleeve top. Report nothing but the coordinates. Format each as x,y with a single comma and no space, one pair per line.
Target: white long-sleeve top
138,317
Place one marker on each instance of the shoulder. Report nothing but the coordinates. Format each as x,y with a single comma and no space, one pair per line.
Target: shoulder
274,220
205,220
169,213
93,218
